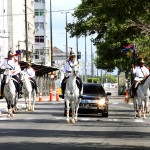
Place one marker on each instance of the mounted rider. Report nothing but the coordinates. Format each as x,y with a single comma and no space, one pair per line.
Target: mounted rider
67,72
12,64
30,73
141,72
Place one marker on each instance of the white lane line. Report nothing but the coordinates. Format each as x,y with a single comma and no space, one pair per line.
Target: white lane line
4,118
139,120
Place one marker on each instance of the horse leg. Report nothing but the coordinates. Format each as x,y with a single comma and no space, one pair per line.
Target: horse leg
29,100
9,106
33,101
73,111
76,111
147,104
135,108
67,111
143,109
26,103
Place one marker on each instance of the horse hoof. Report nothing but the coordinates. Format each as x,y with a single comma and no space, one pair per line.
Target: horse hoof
67,121
8,116
73,121
12,115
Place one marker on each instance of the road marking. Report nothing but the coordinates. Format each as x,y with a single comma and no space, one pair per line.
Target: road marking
4,118
139,120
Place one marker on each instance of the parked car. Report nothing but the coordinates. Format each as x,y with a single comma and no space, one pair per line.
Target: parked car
94,100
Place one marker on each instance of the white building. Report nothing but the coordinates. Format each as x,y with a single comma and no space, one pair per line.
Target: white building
42,44
13,23
3,29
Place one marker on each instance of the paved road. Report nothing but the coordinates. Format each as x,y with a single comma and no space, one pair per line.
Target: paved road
46,129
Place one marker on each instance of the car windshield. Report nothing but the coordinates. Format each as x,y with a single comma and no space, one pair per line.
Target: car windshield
93,89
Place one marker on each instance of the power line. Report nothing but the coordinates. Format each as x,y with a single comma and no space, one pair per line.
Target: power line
54,11
20,14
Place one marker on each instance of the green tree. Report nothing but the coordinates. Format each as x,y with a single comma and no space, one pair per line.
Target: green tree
116,24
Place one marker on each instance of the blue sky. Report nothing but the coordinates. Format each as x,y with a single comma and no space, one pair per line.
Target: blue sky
59,23
59,7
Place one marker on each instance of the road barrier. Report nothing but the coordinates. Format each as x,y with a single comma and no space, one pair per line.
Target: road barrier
57,95
40,97
127,96
51,94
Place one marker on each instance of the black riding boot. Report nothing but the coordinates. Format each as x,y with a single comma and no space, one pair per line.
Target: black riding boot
63,86
79,84
2,87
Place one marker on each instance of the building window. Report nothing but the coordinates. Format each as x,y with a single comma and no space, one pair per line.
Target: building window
39,39
37,54
40,1
39,12
39,25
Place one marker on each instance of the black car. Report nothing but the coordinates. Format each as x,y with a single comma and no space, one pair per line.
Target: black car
94,100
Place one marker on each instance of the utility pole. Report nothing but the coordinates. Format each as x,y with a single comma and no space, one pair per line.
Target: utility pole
26,30
77,46
92,61
85,62
66,38
51,37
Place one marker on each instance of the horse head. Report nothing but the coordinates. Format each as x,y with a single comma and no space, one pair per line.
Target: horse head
8,74
23,76
75,70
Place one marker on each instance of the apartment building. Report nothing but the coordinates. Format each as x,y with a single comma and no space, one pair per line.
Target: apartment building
42,44
18,29
3,29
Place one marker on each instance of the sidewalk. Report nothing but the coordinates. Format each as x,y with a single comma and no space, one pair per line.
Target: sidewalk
21,103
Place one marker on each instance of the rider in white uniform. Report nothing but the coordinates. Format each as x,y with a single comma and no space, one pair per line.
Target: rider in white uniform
10,63
67,71
141,72
30,72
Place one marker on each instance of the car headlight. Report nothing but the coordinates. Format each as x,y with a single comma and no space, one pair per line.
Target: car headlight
101,102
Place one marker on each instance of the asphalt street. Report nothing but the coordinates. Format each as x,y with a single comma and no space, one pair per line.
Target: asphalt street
45,128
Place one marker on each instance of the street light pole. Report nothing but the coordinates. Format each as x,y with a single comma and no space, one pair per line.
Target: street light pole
92,61
77,46
26,30
66,38
85,62
51,37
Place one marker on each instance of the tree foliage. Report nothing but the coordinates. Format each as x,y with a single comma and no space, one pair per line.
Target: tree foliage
116,24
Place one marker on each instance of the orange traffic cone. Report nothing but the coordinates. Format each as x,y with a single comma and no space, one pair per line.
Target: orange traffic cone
40,97
51,94
126,96
57,95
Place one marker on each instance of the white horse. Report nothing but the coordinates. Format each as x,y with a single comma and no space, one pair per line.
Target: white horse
72,95
29,92
10,93
141,100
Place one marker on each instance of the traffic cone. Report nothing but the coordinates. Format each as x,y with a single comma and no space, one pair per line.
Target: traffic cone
126,96
57,95
51,94
40,97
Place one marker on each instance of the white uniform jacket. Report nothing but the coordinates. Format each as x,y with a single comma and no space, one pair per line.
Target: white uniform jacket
29,72
11,64
68,69
140,73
